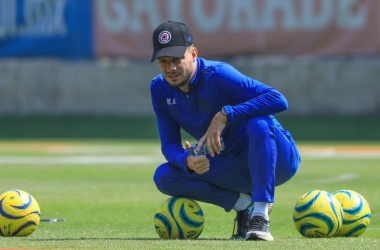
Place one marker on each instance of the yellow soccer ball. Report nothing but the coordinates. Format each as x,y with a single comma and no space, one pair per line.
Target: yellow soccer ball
19,213
179,218
318,214
356,213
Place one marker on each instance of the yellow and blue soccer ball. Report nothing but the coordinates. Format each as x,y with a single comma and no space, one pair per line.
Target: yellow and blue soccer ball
19,213
318,214
179,218
356,213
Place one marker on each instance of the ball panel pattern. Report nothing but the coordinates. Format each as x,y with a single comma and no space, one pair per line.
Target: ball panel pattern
317,214
171,211
179,218
19,213
356,213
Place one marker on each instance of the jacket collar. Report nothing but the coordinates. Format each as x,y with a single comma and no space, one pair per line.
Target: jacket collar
195,81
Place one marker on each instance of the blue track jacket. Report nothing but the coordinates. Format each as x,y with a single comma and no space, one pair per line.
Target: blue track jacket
215,85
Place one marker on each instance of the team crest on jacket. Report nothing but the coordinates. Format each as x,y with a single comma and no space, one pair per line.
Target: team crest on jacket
205,105
164,37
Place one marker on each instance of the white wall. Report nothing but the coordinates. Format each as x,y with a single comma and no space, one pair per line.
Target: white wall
329,86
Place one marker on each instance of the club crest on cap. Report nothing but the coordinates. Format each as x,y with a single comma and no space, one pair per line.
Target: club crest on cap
164,37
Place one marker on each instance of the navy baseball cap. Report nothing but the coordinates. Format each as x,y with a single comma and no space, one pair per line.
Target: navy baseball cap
171,39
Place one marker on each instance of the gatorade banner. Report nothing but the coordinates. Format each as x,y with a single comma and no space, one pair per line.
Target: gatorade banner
237,27
77,29
46,28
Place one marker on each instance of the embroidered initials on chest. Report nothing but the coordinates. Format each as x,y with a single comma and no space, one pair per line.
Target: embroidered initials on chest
171,102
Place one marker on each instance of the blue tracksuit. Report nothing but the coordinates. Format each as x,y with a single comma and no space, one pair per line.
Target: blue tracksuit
259,154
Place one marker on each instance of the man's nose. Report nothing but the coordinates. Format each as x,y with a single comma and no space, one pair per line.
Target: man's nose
171,66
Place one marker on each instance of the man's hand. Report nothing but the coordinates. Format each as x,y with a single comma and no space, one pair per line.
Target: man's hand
198,164
212,136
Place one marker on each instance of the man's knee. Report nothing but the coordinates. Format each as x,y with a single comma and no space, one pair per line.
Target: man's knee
259,127
163,178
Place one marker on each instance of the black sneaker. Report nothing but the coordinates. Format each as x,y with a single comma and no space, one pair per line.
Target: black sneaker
243,218
259,229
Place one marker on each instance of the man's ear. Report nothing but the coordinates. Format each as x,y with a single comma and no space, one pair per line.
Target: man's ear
194,53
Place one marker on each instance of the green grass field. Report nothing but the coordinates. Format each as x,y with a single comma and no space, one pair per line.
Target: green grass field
105,191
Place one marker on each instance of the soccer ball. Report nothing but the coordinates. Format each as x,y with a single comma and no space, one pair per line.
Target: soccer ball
19,213
356,213
318,214
179,218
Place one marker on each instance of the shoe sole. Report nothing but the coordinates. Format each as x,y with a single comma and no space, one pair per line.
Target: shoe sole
256,236
240,237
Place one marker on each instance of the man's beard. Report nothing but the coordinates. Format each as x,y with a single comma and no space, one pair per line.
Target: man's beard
184,82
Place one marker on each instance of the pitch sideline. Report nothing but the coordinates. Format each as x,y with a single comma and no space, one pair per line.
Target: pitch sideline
146,159
131,159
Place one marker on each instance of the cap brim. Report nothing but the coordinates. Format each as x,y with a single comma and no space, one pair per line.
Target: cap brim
174,51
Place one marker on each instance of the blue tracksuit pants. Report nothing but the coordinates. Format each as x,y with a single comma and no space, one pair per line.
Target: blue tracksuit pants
269,160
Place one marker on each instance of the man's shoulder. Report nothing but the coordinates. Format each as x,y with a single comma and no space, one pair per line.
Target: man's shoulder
158,78
157,82
210,65
213,67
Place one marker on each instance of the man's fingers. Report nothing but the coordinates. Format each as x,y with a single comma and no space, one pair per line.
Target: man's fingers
201,160
201,165
209,147
206,168
214,145
201,142
187,145
218,143
204,171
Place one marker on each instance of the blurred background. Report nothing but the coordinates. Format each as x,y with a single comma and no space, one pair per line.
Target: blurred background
81,68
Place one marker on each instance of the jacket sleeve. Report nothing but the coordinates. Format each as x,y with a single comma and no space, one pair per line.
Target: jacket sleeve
170,136
250,97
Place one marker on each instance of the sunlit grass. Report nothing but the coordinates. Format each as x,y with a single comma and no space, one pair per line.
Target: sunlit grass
111,206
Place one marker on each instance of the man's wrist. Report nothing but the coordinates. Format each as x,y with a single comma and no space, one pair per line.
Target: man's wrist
187,163
224,112
187,166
